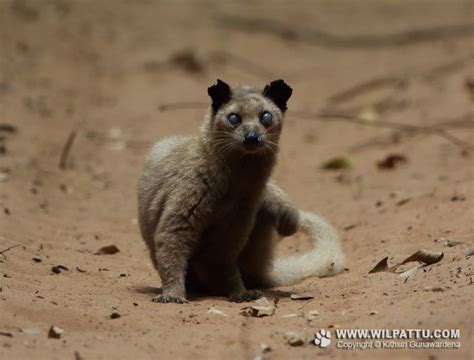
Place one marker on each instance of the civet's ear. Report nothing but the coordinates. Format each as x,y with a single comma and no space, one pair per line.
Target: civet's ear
279,92
220,94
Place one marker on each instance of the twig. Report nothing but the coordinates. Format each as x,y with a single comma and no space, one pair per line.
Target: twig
322,38
447,68
372,84
390,125
8,249
357,120
67,149
197,61
462,122
398,80
454,140
182,105
439,129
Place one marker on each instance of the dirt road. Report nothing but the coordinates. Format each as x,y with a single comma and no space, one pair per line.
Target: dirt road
102,69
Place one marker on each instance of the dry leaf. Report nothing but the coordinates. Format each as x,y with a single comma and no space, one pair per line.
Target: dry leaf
58,268
214,311
263,308
342,162
9,128
382,265
391,161
191,60
433,288
115,315
257,311
107,250
301,297
425,256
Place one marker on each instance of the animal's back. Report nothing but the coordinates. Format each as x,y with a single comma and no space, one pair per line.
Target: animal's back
158,172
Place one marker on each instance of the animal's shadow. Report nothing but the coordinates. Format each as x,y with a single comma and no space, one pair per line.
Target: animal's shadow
198,296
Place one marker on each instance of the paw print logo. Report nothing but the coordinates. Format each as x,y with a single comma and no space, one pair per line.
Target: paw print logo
322,338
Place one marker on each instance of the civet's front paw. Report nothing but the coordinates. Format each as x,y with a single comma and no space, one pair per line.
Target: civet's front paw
170,299
247,295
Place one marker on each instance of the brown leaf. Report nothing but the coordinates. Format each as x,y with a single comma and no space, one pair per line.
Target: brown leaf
337,163
425,256
258,311
107,250
115,315
382,265
9,128
57,269
391,161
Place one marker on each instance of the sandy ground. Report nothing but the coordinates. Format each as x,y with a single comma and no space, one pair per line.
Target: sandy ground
103,68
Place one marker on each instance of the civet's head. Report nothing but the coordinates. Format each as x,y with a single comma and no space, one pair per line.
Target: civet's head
247,120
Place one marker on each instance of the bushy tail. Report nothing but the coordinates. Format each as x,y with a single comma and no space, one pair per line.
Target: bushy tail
325,259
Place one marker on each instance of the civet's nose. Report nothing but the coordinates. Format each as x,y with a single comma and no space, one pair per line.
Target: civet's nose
252,138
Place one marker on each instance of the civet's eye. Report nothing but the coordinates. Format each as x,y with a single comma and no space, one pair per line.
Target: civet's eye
234,119
266,118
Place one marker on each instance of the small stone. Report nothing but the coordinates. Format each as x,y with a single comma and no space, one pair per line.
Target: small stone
312,314
449,242
301,297
4,176
55,332
293,339
265,348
